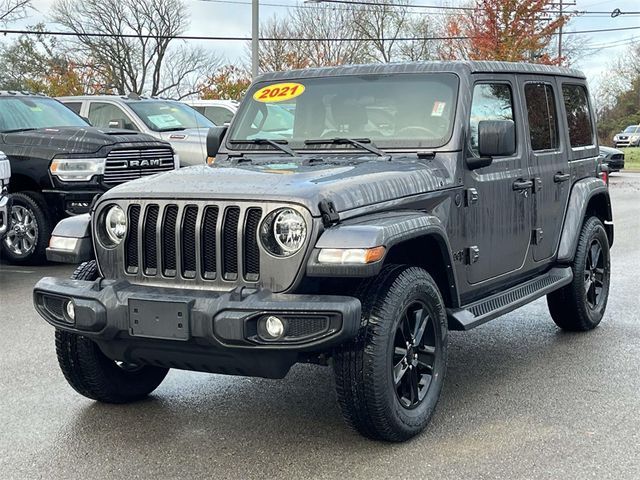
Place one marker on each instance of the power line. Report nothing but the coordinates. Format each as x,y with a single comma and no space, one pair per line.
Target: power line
292,39
314,5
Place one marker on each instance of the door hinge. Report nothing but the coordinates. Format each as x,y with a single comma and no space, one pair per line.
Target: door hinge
329,213
471,196
472,254
537,185
536,236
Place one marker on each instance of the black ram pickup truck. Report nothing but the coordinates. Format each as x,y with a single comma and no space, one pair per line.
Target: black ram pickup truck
352,217
60,163
5,200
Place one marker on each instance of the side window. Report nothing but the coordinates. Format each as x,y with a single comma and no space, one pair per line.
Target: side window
218,115
107,115
491,101
543,120
578,115
74,106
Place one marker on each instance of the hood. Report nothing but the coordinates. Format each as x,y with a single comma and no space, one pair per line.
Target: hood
76,140
349,185
609,150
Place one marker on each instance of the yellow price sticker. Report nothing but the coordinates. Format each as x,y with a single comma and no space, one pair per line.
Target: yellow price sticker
278,92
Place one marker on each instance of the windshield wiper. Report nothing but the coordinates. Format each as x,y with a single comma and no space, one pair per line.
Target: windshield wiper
279,144
363,143
17,130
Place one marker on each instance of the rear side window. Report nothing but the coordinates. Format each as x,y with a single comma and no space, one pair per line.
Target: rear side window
543,120
218,115
491,101
578,115
75,106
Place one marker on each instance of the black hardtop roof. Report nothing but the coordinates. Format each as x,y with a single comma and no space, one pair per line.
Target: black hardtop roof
459,67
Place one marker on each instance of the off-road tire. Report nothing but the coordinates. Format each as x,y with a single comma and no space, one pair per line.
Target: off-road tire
364,367
569,306
35,203
93,374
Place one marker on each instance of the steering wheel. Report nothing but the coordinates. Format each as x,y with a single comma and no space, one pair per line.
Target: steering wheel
417,129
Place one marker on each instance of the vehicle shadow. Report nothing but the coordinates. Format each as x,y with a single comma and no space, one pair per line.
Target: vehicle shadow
293,428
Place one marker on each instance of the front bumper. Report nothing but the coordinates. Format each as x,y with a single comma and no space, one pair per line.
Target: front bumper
198,330
5,213
72,202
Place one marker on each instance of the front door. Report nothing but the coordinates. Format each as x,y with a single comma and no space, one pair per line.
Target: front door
547,152
498,222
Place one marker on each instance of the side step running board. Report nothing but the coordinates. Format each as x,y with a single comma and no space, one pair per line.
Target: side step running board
474,314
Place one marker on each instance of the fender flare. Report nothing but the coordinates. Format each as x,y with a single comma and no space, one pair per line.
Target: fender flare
384,229
581,194
78,228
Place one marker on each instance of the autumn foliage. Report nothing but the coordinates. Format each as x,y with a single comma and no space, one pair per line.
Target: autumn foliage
228,83
506,30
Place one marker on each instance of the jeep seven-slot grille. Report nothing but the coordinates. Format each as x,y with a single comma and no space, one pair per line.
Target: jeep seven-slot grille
194,241
129,164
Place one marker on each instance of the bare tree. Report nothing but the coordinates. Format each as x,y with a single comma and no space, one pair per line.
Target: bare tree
382,24
12,10
137,45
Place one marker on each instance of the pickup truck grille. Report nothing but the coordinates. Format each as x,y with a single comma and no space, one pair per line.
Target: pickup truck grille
130,164
193,241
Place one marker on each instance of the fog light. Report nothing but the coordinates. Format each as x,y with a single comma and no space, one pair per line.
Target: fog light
274,326
71,310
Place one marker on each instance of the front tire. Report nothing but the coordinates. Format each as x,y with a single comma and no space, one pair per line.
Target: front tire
92,374
26,242
389,378
580,306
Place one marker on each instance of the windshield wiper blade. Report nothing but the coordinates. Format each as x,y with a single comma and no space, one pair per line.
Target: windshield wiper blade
363,143
279,144
172,129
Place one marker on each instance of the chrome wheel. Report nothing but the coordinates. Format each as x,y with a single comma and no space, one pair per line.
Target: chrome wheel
22,239
414,355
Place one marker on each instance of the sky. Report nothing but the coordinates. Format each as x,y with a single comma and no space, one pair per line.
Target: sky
215,17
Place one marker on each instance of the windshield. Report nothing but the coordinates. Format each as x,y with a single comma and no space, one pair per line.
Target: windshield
395,111
166,116
632,129
19,113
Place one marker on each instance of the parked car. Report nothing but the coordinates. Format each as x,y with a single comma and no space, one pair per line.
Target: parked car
612,157
220,112
169,120
5,203
339,241
629,137
60,163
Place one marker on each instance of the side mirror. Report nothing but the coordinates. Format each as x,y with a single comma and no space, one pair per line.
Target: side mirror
496,138
214,140
116,123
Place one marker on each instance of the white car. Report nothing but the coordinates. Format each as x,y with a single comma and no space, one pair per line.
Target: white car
5,207
629,137
219,112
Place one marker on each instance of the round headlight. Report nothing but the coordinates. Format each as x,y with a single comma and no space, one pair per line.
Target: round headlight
284,232
115,224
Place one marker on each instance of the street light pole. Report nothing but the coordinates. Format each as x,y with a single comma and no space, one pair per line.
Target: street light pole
255,31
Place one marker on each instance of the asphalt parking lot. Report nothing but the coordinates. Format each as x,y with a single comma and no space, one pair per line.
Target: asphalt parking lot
521,400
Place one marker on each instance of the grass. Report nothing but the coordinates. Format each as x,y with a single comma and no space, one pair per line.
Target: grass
632,158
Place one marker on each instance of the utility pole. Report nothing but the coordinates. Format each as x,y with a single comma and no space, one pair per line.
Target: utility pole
255,32
560,34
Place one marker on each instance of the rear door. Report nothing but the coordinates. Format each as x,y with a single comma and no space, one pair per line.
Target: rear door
547,152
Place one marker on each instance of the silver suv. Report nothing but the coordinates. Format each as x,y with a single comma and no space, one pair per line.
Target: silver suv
5,208
172,121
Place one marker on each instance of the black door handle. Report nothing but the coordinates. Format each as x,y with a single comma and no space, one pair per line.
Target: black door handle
561,177
522,184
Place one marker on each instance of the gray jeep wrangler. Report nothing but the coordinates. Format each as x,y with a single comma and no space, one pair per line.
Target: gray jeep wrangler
349,217
5,200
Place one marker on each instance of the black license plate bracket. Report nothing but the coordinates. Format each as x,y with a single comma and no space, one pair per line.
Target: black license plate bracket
160,319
